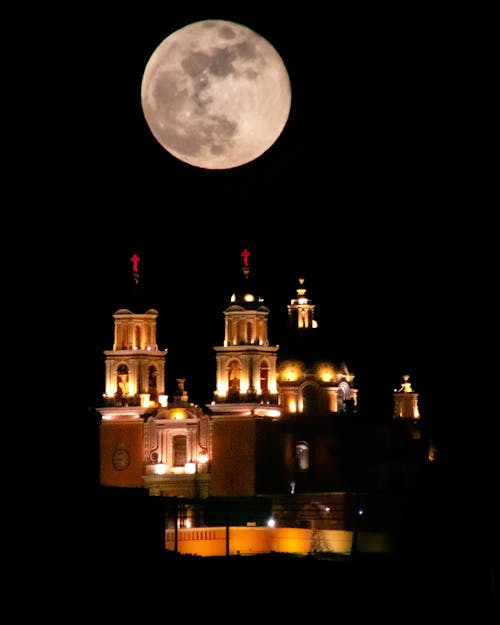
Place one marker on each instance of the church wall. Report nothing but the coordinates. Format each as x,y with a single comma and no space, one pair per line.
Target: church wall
123,469
325,469
233,457
270,476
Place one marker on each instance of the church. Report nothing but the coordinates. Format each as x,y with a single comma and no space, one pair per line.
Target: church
281,438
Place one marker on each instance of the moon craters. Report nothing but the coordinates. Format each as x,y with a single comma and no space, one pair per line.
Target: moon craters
215,94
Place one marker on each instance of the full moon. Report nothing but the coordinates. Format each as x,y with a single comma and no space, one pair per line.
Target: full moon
215,94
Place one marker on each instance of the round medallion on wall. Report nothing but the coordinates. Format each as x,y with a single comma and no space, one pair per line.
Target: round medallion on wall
120,459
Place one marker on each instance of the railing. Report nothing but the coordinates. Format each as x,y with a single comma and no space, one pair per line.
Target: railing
249,398
122,401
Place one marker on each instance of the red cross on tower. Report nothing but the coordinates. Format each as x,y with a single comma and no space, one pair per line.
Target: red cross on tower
134,260
245,253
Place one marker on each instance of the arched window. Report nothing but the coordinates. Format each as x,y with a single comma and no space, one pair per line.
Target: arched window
122,380
302,456
343,394
234,379
310,399
152,383
264,377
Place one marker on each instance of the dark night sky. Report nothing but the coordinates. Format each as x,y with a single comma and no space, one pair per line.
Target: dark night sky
369,194
354,196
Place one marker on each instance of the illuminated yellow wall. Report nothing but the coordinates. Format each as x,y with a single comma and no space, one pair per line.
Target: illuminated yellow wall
128,436
212,541
201,541
292,540
250,540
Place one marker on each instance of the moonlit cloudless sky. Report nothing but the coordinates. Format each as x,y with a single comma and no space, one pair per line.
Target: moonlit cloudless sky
353,196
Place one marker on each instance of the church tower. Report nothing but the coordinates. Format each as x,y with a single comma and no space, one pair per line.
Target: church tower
134,385
245,400
407,413
301,309
146,439
135,367
246,363
406,407
308,382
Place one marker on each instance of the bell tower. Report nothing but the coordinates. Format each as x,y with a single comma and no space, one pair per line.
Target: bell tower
406,401
134,384
135,367
406,409
301,309
246,363
246,395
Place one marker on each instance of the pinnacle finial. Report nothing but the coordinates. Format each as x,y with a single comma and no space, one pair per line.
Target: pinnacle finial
135,268
245,253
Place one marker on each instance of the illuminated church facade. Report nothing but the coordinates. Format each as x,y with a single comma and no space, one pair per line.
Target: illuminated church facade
277,425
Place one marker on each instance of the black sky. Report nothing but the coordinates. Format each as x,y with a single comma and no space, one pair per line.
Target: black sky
354,196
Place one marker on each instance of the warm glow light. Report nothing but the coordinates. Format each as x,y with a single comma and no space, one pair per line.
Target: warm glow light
160,469
190,467
326,372
253,539
290,371
271,522
178,415
203,457
266,412
163,399
292,406
120,417
222,389
248,297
